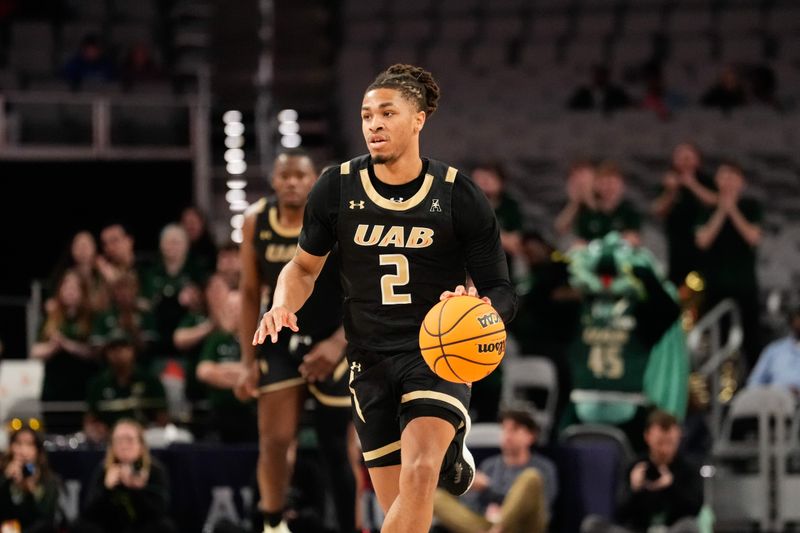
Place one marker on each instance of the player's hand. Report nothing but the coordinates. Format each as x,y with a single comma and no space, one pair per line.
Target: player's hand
321,360
247,386
273,322
461,291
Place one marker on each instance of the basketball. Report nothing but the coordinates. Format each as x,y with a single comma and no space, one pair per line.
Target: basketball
462,339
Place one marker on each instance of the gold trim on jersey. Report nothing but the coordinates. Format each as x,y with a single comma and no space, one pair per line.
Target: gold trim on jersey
280,385
451,174
345,167
389,204
329,399
434,395
382,451
256,208
283,231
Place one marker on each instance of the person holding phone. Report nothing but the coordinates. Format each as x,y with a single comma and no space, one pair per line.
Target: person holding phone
28,488
663,488
129,491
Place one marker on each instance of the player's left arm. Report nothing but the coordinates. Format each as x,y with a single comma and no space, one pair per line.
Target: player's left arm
477,229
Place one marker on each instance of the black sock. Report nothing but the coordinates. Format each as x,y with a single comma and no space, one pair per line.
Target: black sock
272,519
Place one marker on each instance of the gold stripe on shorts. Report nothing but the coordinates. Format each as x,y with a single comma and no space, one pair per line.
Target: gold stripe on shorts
382,451
329,399
434,395
280,385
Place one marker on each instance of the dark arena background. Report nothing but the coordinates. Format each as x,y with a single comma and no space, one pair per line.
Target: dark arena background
643,161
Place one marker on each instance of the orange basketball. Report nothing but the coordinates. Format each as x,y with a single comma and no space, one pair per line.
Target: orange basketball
462,339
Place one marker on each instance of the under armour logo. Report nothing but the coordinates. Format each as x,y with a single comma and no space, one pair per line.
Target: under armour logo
355,367
435,205
354,204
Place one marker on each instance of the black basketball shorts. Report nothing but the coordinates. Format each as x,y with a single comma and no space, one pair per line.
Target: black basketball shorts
390,390
278,365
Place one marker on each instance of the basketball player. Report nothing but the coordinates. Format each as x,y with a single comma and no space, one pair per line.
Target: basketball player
408,230
297,362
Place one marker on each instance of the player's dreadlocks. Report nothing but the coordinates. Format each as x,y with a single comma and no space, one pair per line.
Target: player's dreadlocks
414,83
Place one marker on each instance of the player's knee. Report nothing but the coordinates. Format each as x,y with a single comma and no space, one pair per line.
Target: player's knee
421,472
275,441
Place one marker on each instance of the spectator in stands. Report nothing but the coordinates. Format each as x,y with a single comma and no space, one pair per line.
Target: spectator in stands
202,250
89,63
687,192
63,344
129,491
491,178
123,390
171,285
125,315
601,94
764,87
140,66
229,264
220,369
662,488
611,211
729,237
512,492
195,327
727,93
657,96
549,307
545,321
779,363
580,195
28,488
82,258
118,254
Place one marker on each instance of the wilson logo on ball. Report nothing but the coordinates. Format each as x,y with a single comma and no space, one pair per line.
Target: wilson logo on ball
498,347
488,319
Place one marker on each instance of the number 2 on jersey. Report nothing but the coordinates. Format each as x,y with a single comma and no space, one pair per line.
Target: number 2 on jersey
390,282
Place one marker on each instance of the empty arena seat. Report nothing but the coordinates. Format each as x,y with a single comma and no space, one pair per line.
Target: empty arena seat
20,388
753,434
524,379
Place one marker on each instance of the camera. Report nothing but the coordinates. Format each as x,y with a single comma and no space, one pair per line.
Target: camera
652,473
28,470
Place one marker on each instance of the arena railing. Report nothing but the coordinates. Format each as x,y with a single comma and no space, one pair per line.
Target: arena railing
707,341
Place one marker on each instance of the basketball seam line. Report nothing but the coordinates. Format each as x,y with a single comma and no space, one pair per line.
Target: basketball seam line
455,356
441,346
468,311
461,340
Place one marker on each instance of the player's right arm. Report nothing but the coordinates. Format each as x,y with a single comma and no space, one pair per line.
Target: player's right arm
295,284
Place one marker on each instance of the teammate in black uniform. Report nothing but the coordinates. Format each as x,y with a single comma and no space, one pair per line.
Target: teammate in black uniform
409,230
280,373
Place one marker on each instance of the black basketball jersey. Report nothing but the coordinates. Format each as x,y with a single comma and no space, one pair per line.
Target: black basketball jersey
397,257
276,245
